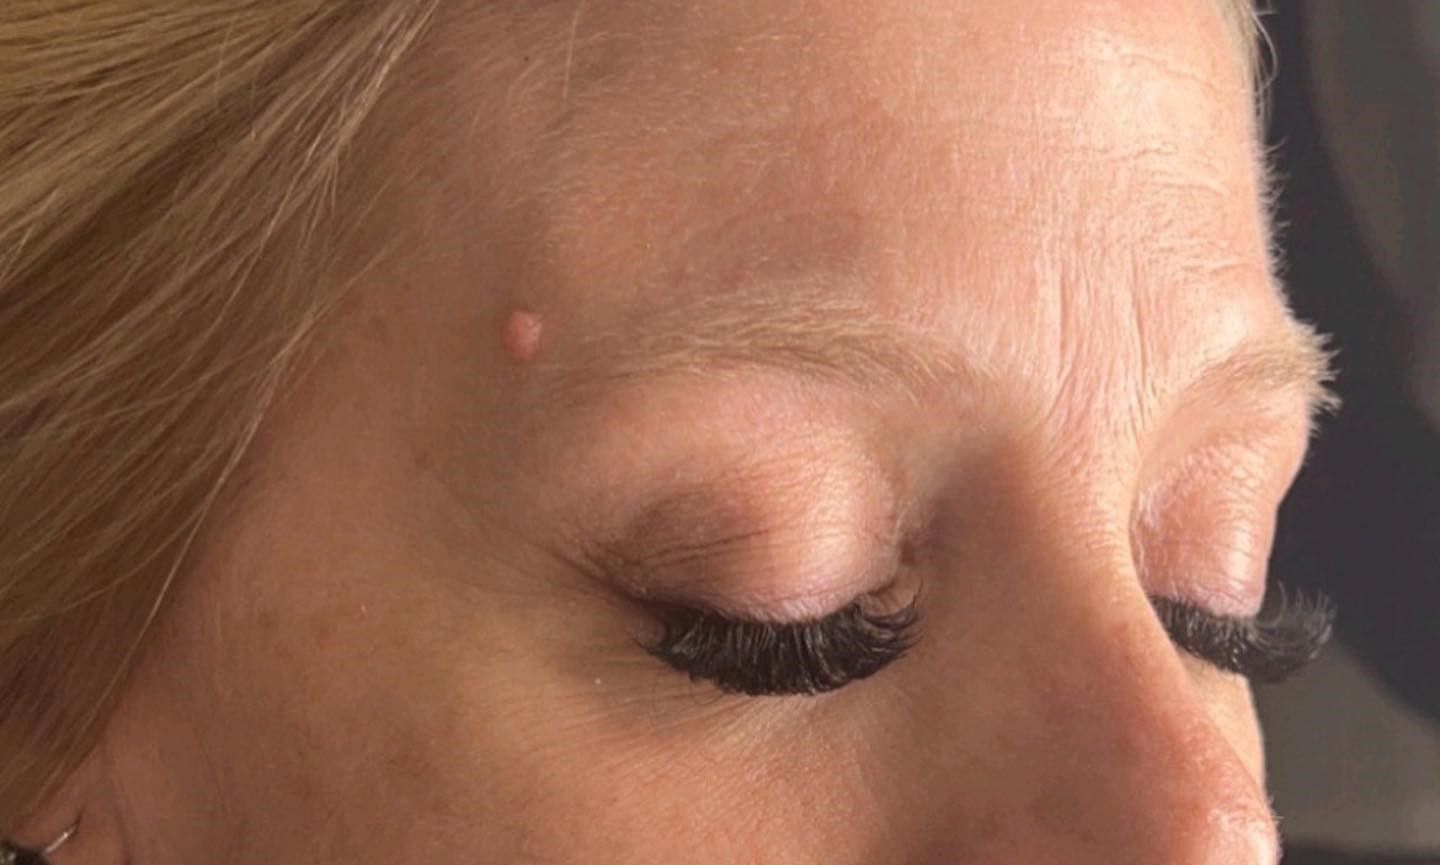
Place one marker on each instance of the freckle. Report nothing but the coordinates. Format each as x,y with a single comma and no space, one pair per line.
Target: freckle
522,336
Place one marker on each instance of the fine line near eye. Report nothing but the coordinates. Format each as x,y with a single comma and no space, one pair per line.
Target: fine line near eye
1267,648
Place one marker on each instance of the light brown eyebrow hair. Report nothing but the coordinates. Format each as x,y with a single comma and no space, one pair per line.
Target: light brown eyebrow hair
812,333
1296,358
826,336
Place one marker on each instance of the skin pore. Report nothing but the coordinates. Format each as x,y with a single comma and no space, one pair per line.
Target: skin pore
962,302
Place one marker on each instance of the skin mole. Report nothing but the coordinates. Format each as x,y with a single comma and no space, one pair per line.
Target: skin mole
521,336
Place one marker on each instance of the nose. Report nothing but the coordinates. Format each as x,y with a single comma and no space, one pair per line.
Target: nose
1103,747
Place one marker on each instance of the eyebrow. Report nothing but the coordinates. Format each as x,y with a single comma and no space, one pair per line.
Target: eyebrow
816,335
1295,359
832,338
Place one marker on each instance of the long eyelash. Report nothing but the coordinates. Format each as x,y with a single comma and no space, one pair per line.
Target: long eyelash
1267,648
766,659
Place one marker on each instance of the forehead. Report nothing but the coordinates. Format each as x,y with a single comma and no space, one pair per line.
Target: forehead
1064,185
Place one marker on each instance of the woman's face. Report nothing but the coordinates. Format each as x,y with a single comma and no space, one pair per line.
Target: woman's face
762,309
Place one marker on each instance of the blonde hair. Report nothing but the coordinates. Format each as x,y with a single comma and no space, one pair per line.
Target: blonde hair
175,192
168,172
1243,19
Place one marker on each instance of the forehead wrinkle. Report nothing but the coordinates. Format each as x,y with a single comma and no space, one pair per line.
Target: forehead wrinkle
836,340
811,334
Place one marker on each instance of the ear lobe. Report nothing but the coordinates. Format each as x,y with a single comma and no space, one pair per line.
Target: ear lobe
79,823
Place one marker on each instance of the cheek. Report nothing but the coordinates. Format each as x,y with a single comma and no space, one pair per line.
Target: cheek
666,773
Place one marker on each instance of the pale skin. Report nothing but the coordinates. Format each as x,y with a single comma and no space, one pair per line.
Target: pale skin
970,299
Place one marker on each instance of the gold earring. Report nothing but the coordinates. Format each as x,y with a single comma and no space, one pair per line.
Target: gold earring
14,854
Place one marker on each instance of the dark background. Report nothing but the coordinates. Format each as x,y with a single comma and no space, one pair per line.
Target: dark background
1363,521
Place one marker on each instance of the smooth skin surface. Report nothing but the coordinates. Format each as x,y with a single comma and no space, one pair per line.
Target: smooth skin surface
835,297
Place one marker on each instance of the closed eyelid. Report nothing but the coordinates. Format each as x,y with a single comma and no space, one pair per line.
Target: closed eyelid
793,545
734,577
1202,529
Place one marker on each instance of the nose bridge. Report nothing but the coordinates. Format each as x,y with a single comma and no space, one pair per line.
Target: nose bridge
1138,752
1108,750
1137,761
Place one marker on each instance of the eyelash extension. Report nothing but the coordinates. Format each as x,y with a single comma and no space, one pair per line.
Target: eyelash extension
770,659
808,658
1267,648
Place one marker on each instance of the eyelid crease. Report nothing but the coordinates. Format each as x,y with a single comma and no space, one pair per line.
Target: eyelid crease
751,574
